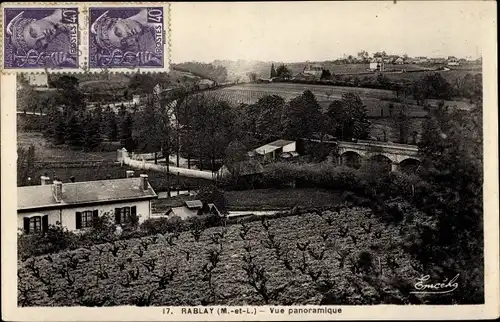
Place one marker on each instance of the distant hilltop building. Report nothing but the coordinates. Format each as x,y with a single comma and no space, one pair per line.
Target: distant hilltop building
377,64
453,61
315,70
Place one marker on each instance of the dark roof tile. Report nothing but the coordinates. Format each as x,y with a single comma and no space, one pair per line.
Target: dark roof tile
32,197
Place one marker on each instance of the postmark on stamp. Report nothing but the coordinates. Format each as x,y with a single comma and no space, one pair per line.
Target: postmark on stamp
40,38
128,37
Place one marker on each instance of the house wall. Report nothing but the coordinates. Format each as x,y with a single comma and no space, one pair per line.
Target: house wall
67,216
290,147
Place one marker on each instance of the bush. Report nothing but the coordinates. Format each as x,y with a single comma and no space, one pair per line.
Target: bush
57,238
322,175
163,225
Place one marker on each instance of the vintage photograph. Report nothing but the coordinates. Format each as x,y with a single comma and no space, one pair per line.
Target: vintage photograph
320,153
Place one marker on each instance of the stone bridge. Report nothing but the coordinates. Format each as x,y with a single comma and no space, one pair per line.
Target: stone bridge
399,156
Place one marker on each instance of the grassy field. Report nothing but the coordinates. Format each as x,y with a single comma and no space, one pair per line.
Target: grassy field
314,258
44,151
264,199
263,69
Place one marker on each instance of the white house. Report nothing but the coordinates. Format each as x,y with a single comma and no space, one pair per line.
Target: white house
377,65
453,61
399,61
274,149
76,205
315,70
206,83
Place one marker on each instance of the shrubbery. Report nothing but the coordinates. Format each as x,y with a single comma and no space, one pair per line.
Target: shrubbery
57,238
321,175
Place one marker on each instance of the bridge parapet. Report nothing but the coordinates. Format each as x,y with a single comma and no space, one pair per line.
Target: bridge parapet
393,151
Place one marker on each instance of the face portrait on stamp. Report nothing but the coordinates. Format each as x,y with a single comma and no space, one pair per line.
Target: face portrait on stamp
124,37
41,37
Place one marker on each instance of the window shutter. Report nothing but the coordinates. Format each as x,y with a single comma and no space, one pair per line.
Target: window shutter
45,223
78,220
95,215
133,214
117,215
26,225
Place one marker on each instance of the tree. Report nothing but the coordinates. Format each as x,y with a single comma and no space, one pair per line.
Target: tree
25,165
452,162
431,86
379,54
110,124
302,117
348,118
55,126
125,129
91,131
363,56
212,194
402,122
252,76
236,153
73,133
283,72
273,71
268,112
326,74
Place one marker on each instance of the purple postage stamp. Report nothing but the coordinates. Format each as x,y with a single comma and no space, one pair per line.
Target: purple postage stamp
127,37
40,38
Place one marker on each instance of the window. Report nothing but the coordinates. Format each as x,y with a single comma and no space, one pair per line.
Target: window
36,224
86,219
125,214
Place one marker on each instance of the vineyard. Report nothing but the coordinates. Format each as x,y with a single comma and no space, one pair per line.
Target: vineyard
343,256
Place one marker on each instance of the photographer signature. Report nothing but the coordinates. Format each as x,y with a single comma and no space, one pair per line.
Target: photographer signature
423,286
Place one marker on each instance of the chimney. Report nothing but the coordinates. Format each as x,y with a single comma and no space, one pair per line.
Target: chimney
130,173
57,190
144,182
44,180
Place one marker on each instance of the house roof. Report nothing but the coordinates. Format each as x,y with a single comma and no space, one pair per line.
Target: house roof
79,193
280,143
270,147
194,204
247,167
185,212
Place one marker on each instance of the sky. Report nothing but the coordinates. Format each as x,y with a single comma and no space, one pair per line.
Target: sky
316,31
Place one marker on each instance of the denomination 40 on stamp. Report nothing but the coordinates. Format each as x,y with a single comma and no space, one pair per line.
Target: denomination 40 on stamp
127,37
82,37
39,38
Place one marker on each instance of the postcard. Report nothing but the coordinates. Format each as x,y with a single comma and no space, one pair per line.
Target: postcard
247,161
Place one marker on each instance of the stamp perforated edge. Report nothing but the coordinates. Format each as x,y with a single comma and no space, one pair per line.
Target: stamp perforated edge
166,42
83,38
82,61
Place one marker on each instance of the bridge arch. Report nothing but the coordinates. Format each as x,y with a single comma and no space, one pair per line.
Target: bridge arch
381,162
351,159
409,165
